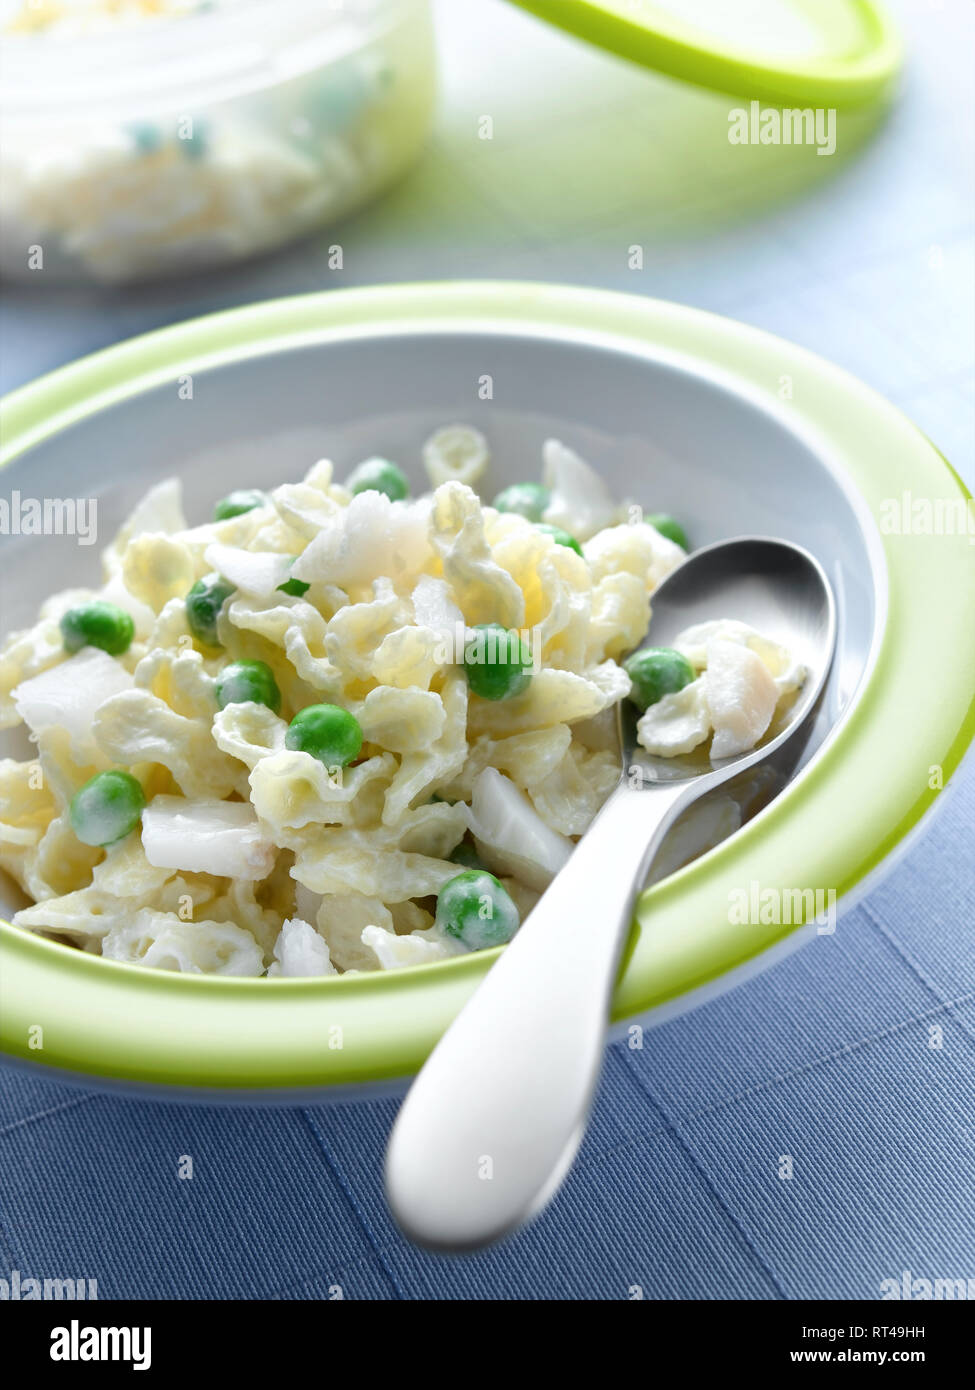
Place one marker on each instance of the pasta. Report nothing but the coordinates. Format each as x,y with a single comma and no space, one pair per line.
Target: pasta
304,750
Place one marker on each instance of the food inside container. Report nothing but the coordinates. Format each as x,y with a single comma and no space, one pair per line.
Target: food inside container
337,728
147,137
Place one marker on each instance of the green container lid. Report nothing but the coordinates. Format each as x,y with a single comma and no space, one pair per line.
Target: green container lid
820,53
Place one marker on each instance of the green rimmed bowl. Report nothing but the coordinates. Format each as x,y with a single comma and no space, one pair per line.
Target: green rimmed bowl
730,429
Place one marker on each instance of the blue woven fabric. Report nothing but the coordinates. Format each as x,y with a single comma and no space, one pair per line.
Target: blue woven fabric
828,1061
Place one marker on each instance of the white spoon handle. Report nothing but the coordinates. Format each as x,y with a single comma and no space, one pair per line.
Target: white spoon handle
494,1119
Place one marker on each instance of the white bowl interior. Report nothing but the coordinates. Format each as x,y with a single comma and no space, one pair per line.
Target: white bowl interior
665,434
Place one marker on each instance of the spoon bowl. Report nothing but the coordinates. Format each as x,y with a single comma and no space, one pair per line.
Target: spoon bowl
492,1123
775,587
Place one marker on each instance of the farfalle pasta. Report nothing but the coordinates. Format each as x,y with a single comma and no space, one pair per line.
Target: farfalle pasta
338,729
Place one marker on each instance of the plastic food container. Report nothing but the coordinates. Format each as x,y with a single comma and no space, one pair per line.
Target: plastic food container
144,137
344,372
141,140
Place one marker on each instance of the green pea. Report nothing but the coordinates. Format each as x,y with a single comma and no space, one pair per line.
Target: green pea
239,502
108,807
559,536
203,604
466,856
244,681
146,137
670,528
656,672
475,908
328,732
498,663
379,475
97,624
526,499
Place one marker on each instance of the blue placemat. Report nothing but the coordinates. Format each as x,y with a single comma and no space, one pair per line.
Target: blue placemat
848,1066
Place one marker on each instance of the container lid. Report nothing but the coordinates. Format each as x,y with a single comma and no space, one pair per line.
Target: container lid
816,52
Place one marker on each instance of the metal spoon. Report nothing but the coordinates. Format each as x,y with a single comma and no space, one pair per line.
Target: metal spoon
493,1121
